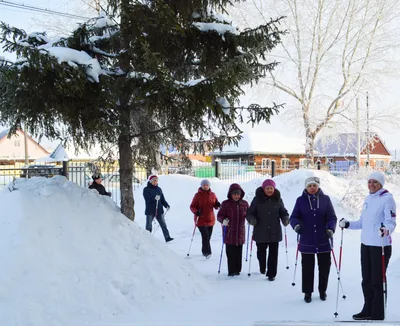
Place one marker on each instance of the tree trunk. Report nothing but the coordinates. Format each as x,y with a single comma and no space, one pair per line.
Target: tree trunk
125,138
125,173
310,144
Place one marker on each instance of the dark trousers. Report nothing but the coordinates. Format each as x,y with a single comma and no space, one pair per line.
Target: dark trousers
272,257
372,281
206,232
307,271
234,256
161,221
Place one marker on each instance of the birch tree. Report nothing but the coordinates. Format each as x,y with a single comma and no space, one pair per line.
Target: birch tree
333,50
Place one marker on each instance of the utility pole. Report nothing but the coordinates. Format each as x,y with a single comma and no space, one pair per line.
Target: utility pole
358,135
26,146
368,135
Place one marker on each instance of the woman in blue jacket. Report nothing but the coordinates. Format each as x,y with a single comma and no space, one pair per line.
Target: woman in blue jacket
155,203
314,219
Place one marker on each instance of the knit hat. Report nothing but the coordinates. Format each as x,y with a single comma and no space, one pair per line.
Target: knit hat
268,183
205,182
378,176
152,178
312,180
96,176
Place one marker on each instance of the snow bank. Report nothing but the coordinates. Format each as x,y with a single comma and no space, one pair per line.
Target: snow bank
69,256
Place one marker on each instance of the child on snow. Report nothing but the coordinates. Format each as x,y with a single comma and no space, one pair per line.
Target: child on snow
232,215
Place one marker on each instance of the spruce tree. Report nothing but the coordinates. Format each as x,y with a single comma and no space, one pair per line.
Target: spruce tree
159,72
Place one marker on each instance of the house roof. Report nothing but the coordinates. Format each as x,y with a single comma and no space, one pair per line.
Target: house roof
345,144
264,143
4,133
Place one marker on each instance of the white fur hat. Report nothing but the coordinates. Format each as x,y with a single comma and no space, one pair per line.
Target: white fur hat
378,176
312,180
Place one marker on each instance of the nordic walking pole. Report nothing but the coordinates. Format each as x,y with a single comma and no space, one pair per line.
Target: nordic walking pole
222,248
384,276
339,284
191,241
155,215
248,238
251,250
287,259
297,256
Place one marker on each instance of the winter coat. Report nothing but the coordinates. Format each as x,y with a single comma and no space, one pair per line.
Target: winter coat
149,193
265,213
378,208
205,202
235,212
315,214
100,188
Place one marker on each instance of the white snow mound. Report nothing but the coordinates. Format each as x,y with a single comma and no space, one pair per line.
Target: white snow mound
69,256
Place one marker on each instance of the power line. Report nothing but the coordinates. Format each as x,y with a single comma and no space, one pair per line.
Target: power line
39,10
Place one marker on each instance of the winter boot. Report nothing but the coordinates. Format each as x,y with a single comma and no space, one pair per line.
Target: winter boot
322,296
307,297
361,316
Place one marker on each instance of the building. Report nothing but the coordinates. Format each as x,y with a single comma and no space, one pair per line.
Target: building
341,150
261,148
12,149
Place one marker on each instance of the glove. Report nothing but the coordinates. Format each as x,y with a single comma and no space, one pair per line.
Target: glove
157,197
168,207
253,221
297,229
109,194
225,222
383,231
285,222
218,204
198,213
329,233
344,224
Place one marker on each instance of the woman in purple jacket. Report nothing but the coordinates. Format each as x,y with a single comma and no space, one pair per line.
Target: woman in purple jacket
314,220
232,215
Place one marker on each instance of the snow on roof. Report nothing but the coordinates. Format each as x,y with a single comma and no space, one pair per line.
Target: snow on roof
74,57
265,143
344,144
58,155
4,133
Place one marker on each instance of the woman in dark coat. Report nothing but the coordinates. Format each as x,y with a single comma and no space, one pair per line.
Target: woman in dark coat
314,219
266,212
232,215
202,206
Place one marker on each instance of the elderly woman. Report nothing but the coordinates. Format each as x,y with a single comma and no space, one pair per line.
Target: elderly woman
203,204
314,219
266,213
377,222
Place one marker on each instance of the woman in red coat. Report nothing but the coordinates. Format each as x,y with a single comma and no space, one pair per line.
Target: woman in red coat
232,215
202,206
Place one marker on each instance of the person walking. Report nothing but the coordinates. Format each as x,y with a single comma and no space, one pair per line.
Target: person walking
155,203
266,212
232,216
314,220
202,206
377,222
96,184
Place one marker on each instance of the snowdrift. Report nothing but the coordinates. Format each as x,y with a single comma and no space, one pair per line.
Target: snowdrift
69,256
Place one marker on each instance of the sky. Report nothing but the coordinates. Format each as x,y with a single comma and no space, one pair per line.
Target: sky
69,257
386,96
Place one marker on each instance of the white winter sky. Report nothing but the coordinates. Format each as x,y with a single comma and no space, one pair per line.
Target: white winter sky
33,22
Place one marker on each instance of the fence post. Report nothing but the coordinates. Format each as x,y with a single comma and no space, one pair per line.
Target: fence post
273,168
65,169
217,168
318,165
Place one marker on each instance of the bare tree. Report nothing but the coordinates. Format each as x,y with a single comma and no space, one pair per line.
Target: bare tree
334,50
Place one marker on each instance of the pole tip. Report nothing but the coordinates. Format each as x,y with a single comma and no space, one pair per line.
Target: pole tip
287,267
248,274
293,284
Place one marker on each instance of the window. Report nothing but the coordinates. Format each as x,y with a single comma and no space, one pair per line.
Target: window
379,164
304,163
266,163
285,162
17,143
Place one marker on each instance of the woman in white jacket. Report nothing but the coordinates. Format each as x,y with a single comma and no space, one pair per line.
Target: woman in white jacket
377,222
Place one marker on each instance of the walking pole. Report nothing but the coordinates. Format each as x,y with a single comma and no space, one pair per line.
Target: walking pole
191,241
384,276
287,259
155,215
158,225
222,248
297,256
251,250
248,238
338,273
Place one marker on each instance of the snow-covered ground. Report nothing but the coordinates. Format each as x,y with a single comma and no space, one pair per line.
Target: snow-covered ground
70,258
